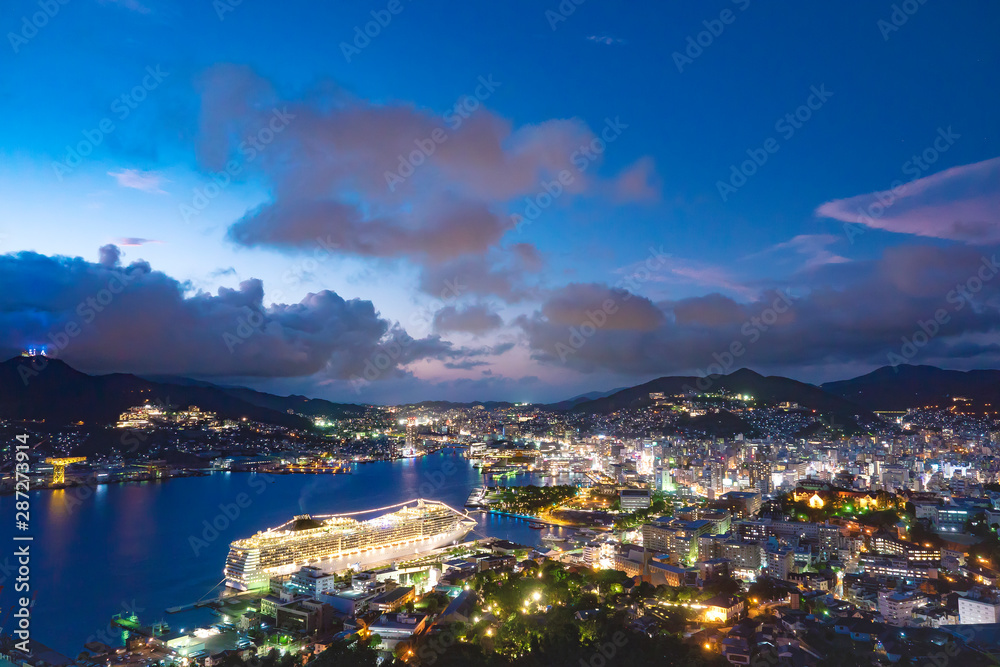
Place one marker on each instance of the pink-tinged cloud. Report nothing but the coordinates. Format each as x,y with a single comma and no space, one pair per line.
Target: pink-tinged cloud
134,241
961,204
813,247
639,182
674,270
844,313
391,180
134,179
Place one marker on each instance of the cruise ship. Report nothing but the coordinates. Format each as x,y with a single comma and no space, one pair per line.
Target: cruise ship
339,541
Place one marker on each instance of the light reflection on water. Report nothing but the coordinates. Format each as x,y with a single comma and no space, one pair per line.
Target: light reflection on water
99,550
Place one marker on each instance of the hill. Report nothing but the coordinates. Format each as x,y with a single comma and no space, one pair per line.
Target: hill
576,400
769,390
903,387
48,388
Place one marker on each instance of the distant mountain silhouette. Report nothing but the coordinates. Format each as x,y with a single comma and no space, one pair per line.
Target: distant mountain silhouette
589,396
453,405
771,390
903,387
48,388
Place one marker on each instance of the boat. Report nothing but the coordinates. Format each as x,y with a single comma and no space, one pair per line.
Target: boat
536,526
335,542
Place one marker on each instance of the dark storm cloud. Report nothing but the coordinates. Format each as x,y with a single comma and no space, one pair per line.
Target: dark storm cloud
940,295
104,316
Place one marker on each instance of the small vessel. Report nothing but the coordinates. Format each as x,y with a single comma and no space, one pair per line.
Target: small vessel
536,526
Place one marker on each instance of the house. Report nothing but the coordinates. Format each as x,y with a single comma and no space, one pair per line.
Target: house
736,650
723,608
859,629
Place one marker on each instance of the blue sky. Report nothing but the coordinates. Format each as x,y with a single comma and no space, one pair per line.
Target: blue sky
199,77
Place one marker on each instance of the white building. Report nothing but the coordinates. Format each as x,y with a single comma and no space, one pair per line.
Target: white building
978,607
780,561
897,608
312,581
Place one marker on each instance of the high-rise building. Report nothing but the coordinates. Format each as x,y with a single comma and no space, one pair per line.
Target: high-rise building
779,561
897,607
760,476
411,430
718,472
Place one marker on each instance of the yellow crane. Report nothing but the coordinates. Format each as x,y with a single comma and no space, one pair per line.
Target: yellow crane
59,467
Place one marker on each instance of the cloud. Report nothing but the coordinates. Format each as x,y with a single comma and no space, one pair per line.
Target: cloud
134,241
132,318
811,246
606,40
464,365
639,182
573,304
109,256
476,319
499,273
388,179
841,314
961,204
680,271
146,181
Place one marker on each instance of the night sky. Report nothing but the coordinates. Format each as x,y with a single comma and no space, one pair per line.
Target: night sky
522,200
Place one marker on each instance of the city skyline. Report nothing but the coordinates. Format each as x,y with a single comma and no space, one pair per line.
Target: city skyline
519,203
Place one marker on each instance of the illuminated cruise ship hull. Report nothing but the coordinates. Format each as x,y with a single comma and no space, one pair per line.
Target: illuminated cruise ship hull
339,542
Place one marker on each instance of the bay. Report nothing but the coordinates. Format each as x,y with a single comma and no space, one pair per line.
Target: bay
147,546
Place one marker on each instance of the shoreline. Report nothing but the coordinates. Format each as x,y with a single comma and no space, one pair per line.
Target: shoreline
181,473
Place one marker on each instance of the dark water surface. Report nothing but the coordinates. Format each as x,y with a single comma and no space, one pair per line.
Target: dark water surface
148,545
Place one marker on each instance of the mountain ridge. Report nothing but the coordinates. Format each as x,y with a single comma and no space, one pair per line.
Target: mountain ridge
49,388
